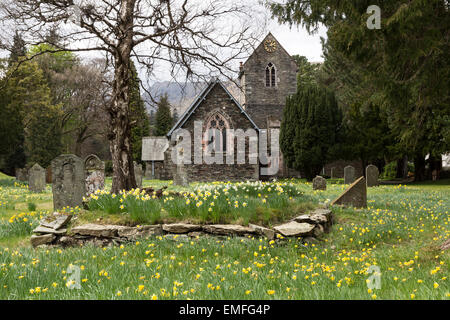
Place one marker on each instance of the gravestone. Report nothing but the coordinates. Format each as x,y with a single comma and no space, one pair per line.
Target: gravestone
95,174
22,174
349,174
372,174
148,171
319,183
355,195
36,176
333,173
180,175
138,173
69,183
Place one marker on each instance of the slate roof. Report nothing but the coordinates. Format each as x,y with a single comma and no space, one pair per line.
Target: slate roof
202,96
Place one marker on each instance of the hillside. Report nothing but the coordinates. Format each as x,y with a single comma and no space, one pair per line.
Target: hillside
181,96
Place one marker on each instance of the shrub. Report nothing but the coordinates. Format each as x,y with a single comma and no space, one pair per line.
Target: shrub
31,206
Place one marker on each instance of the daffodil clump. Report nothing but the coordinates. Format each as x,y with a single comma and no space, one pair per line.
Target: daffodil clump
21,224
215,203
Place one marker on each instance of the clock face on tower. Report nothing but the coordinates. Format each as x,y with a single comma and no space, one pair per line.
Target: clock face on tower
270,45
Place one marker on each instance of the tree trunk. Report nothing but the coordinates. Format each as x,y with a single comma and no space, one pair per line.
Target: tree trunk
402,168
419,168
364,164
435,167
120,129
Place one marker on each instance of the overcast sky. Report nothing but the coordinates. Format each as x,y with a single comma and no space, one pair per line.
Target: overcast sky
295,40
298,41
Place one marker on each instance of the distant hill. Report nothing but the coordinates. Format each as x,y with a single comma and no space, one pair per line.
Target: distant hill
181,96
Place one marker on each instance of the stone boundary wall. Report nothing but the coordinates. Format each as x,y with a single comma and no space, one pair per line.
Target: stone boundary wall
308,226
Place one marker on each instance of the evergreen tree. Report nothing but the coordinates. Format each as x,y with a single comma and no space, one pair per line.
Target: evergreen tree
18,49
307,72
28,95
403,68
309,132
163,118
140,122
12,153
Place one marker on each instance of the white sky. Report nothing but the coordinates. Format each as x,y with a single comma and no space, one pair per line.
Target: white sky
295,40
298,41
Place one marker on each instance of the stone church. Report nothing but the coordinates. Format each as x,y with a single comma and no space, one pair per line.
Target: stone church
267,77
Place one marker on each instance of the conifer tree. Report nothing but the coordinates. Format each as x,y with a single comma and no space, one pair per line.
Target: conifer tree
163,118
28,95
309,131
140,122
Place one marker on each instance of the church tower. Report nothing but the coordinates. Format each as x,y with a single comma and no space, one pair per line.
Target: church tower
267,77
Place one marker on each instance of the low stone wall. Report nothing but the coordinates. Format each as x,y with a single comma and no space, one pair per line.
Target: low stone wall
307,226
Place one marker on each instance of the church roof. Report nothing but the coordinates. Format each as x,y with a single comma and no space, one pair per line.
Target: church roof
189,111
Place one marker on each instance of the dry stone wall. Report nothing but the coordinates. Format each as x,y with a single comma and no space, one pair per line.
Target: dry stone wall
55,232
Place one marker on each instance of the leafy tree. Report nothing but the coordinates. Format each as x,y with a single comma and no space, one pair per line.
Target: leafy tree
140,121
53,64
84,92
309,131
163,118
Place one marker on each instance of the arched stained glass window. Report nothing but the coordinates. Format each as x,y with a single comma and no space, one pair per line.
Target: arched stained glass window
220,124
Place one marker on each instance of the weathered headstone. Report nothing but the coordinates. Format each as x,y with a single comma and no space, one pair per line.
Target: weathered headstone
333,173
355,195
319,183
179,174
69,184
22,174
372,174
180,177
148,171
36,176
95,174
138,173
349,174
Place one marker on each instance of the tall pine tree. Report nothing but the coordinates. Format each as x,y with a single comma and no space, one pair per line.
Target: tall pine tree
139,118
164,120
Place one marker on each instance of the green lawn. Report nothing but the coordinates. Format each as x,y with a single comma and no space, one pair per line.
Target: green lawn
400,233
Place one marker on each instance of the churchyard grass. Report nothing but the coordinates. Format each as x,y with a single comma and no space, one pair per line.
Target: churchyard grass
400,232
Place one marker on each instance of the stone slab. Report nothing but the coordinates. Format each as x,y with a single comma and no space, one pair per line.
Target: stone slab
355,195
228,229
45,230
295,229
268,233
42,240
181,228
